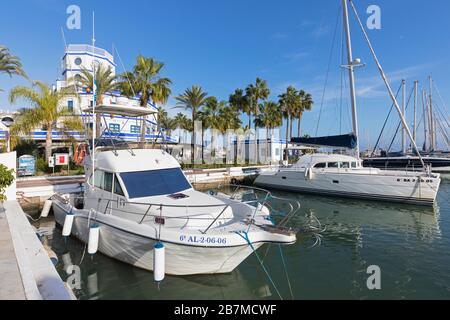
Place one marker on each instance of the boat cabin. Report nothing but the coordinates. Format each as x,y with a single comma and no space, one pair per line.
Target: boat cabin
322,161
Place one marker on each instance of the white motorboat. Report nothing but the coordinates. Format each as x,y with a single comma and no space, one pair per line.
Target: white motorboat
142,197
345,176
137,198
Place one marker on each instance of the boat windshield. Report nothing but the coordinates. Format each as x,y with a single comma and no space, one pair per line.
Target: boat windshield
154,183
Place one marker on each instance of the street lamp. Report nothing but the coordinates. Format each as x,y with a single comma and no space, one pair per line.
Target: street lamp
8,122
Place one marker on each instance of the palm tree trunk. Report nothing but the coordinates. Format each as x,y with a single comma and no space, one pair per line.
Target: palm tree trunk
299,124
48,142
286,156
291,127
98,125
143,132
193,138
267,145
203,146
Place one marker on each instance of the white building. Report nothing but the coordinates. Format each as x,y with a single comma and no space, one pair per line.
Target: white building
83,57
270,150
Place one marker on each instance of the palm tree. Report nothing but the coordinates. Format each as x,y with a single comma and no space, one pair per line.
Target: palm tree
182,122
289,102
45,112
270,117
10,64
210,116
145,81
192,99
255,93
240,102
162,118
229,118
105,81
306,105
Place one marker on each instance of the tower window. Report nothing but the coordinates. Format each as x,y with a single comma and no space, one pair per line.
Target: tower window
78,61
70,105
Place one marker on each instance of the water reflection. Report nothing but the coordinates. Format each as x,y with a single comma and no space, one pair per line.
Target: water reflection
409,243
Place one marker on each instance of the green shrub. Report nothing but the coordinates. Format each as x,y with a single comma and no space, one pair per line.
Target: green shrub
6,179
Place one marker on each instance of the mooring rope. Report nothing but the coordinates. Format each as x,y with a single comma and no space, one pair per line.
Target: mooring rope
245,237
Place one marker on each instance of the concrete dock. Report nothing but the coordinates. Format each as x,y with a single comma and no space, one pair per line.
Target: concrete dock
11,287
27,271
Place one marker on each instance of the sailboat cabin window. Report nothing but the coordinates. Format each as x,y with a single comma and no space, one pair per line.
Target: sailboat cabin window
354,165
333,165
321,165
345,165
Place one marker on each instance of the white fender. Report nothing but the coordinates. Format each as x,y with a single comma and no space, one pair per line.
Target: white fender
46,210
94,235
159,262
68,223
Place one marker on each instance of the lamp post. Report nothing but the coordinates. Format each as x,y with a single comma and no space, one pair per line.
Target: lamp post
8,122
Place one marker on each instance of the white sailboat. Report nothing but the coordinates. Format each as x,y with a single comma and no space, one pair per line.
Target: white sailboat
345,176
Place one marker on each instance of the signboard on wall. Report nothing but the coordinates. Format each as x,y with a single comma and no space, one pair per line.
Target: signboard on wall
61,159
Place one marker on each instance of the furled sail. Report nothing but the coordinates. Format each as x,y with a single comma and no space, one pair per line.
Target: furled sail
343,141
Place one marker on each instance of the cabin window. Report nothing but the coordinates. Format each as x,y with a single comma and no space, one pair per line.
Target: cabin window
345,165
154,183
108,181
118,188
321,165
333,165
99,179
354,165
114,128
135,129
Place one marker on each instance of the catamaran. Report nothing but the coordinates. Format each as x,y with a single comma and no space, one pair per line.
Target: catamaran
345,176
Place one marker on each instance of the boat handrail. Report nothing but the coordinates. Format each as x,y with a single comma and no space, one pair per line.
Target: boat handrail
258,203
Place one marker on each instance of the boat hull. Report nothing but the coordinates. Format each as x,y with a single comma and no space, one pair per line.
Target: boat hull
391,188
137,250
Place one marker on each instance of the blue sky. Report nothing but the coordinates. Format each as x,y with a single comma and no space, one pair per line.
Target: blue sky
225,44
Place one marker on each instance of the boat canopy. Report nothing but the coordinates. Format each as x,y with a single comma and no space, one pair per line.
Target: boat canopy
343,141
122,110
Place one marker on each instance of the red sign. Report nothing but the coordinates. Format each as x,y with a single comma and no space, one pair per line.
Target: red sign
61,159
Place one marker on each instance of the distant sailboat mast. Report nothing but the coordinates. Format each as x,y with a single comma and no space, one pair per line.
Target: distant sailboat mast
433,127
404,114
416,84
351,68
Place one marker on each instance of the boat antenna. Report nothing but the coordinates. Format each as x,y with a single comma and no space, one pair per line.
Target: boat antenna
94,101
351,67
388,86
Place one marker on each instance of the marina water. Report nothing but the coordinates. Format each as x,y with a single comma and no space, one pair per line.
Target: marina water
409,244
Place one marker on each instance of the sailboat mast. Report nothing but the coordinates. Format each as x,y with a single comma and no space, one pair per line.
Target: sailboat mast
433,129
416,85
386,82
351,69
425,120
404,114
